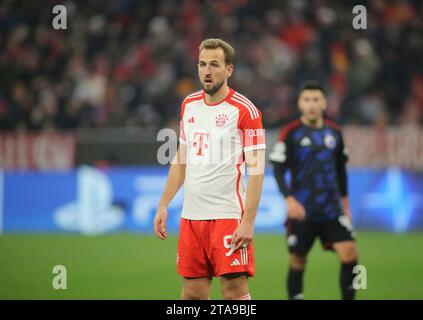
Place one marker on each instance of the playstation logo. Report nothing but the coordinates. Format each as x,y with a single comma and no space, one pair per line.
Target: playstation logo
92,212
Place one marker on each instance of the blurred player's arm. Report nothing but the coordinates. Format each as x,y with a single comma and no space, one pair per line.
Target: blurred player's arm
341,167
175,180
279,157
255,161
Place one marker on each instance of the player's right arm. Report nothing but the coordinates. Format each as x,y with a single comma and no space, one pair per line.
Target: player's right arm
279,157
175,180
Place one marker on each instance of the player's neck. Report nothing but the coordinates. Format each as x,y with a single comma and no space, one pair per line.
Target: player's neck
219,96
313,124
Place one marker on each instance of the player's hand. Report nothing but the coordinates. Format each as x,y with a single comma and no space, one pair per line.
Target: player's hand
346,208
160,222
243,235
347,213
295,209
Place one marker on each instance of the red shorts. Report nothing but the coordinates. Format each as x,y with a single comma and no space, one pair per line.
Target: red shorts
204,249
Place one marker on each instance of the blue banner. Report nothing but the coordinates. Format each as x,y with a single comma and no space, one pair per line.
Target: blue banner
92,201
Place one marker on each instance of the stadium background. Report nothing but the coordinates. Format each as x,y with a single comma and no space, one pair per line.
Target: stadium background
81,108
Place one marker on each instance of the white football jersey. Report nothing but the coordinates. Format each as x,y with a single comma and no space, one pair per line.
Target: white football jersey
217,137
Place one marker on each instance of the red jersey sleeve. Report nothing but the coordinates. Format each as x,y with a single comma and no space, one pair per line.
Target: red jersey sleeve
182,137
251,129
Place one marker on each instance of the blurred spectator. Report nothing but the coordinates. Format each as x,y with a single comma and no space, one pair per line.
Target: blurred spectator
130,63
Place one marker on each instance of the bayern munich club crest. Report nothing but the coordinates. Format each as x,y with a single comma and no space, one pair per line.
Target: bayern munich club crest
221,120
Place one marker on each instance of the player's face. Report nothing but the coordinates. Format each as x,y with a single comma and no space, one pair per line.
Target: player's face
312,104
212,70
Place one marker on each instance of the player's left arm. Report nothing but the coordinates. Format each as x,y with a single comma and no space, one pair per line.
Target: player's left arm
255,161
254,144
341,167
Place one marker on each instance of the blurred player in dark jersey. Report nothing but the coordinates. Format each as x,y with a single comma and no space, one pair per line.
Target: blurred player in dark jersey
312,149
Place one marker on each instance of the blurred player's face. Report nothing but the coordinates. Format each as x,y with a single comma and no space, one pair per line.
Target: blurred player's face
212,70
312,104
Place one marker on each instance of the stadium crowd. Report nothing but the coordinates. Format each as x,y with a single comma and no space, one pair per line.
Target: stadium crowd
130,63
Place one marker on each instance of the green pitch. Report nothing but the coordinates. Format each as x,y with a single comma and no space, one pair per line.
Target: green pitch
142,267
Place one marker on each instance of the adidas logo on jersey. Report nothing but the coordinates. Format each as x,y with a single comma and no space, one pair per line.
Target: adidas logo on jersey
191,120
305,142
235,263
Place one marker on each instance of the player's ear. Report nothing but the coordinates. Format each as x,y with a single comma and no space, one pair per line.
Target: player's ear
325,103
229,70
299,103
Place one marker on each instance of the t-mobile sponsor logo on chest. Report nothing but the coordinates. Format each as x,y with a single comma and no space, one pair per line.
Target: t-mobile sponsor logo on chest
200,142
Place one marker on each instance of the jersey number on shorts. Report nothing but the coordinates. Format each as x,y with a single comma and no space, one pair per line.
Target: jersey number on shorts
227,243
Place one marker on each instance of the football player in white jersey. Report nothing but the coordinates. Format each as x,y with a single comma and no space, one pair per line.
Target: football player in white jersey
221,135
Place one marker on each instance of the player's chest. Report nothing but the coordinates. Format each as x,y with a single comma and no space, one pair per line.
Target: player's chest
319,144
210,122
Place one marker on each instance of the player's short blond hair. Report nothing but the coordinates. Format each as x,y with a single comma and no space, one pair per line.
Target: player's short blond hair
228,50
